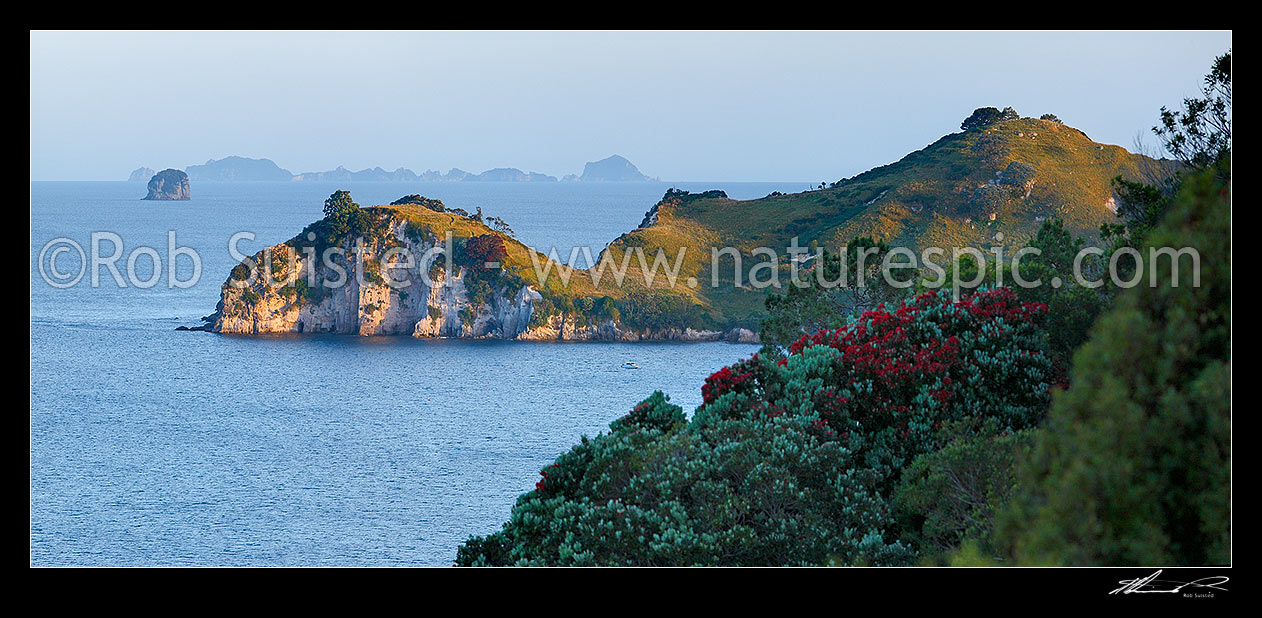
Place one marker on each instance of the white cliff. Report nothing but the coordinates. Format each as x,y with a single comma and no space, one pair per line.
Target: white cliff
404,300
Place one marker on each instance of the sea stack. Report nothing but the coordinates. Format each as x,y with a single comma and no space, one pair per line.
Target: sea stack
169,184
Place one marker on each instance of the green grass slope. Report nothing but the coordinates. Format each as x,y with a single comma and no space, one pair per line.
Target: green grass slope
960,191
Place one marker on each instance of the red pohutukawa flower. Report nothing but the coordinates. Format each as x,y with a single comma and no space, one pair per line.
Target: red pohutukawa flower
904,370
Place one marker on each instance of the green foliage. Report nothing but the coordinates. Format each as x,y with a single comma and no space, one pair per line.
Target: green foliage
986,116
788,462
1072,308
1051,118
1200,133
822,301
542,311
372,272
500,225
948,498
435,313
310,294
339,211
1134,464
652,310
1140,206
420,200
479,288
654,492
240,272
467,316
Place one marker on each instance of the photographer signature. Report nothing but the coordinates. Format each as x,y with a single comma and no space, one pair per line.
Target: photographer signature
1152,584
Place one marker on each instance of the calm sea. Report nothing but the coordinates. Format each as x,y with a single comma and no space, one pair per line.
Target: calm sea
156,447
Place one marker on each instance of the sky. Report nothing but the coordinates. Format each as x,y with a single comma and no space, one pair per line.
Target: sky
721,106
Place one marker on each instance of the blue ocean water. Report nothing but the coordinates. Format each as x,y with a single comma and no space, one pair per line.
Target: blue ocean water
156,447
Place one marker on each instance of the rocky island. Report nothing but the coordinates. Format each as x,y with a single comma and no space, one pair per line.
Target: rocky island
141,174
230,169
237,169
612,169
489,287
169,184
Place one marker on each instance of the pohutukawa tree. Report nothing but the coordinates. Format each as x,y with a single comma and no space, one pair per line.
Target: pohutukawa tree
789,461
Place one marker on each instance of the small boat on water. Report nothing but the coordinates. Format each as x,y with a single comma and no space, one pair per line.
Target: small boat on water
630,365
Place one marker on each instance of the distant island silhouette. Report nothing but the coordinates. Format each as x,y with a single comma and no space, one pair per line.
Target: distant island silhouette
243,169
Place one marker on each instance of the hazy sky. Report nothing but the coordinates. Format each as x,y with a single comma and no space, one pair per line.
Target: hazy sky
791,106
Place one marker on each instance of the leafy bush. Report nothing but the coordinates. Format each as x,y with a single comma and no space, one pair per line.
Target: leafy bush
654,492
651,310
897,374
1072,308
420,200
339,210
986,116
948,498
1134,464
480,250
467,316
812,306
790,461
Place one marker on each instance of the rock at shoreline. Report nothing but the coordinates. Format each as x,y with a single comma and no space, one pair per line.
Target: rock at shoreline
169,184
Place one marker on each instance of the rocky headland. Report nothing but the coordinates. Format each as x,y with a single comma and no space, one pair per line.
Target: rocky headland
461,297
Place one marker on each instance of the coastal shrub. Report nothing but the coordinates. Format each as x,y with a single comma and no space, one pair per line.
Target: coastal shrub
308,293
659,311
542,310
654,492
948,498
813,306
897,374
420,200
339,211
1072,308
467,316
240,272
788,461
1134,465
986,116
478,251
681,196
372,272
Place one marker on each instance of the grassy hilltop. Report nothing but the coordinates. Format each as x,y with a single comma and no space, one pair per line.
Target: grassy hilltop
1002,174
1007,176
